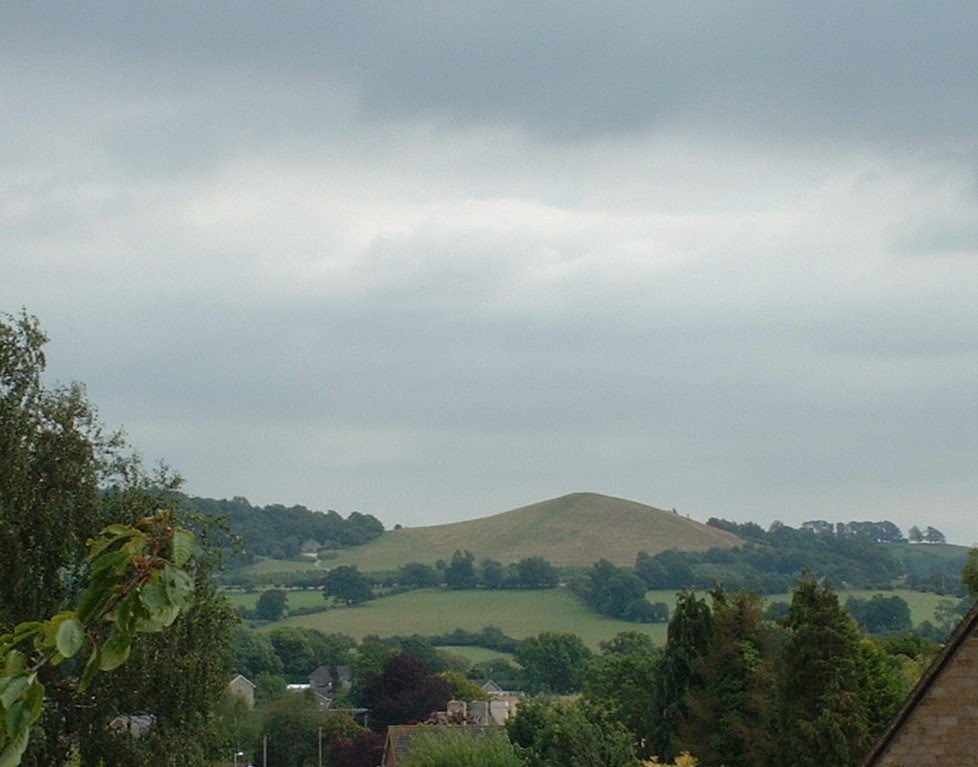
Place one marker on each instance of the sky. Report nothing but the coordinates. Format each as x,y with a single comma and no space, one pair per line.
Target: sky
435,260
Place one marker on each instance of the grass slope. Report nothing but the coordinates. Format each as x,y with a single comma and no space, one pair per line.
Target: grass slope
573,530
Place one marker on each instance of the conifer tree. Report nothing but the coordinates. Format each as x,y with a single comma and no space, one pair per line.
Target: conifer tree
730,708
687,640
826,715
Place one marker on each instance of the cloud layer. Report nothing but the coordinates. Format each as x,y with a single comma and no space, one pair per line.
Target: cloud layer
438,262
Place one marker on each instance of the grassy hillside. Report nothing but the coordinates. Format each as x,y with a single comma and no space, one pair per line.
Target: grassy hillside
574,530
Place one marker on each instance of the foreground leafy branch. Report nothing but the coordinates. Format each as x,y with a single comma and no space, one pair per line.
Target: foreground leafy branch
138,584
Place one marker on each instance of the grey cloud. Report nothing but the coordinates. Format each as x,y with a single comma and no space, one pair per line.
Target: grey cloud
867,70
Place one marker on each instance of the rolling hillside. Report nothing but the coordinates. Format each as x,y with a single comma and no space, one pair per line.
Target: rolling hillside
573,530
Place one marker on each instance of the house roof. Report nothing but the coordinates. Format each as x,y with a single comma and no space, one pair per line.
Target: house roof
965,629
242,678
322,676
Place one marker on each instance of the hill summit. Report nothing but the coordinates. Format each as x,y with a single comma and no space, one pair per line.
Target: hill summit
573,530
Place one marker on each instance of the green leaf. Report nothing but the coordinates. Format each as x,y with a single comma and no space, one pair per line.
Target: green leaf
113,561
35,700
93,601
14,748
115,650
91,669
70,637
107,537
183,546
18,718
178,585
10,689
154,597
15,662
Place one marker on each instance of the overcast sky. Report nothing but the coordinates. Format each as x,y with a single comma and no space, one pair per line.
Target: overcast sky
432,261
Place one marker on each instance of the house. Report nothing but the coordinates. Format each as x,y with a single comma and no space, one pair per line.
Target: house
938,725
401,736
244,688
322,677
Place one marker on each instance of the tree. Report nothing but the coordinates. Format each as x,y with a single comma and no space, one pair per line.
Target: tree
365,750
569,733
825,711
138,585
622,681
730,708
687,641
253,653
63,477
404,692
463,688
301,649
880,614
271,605
535,573
347,585
452,748
969,575
291,724
492,574
460,572
553,662
415,575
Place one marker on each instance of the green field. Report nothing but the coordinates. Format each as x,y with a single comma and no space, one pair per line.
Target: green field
518,613
435,611
477,654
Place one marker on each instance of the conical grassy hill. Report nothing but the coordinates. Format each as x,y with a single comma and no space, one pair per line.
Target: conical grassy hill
574,530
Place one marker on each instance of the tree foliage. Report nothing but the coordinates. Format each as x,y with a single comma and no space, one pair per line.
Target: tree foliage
271,605
348,585
138,584
554,662
688,638
881,614
569,733
833,693
62,479
732,701
442,747
618,593
622,681
404,692
460,572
